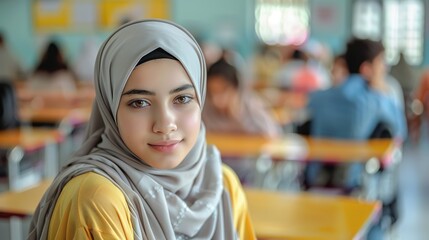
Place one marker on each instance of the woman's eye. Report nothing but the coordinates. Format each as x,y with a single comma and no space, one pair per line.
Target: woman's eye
183,99
138,103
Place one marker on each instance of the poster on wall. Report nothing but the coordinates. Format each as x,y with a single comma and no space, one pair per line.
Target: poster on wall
93,15
328,16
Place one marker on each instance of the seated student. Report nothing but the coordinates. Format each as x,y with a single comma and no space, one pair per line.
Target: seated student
145,170
353,109
52,72
419,113
297,74
231,108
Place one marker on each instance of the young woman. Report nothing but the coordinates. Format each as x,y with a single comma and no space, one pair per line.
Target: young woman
145,170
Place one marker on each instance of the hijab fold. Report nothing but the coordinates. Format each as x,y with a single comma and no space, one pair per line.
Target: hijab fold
186,202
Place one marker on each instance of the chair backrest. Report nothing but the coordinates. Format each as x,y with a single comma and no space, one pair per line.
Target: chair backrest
8,106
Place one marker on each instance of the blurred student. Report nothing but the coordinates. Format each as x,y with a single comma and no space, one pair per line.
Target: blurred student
340,72
358,107
297,75
232,108
266,63
419,113
52,72
10,68
145,170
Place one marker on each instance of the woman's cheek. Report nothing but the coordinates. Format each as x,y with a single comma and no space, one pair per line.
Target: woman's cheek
191,121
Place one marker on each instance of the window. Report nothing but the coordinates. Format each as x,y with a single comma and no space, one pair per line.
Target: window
404,27
398,23
367,20
282,21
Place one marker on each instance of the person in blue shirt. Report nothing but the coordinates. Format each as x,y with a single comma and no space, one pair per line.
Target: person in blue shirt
355,108
359,108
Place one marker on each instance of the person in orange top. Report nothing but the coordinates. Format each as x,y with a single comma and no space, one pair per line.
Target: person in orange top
145,170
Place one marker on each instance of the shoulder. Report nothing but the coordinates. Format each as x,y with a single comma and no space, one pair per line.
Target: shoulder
93,183
91,190
90,206
316,96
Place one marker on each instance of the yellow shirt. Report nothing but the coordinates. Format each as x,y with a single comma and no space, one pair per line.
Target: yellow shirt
91,207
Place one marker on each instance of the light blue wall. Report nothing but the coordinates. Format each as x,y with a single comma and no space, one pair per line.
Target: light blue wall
228,22
337,32
15,23
25,43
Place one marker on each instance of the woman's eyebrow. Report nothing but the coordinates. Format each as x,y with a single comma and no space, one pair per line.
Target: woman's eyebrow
138,91
181,88
146,92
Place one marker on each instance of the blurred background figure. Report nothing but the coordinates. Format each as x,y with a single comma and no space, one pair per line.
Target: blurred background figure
419,114
405,76
265,64
10,68
297,75
52,72
358,108
232,108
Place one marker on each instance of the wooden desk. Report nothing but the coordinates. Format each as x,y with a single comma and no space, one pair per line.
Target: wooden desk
301,216
55,115
29,139
296,147
233,145
329,150
80,98
22,203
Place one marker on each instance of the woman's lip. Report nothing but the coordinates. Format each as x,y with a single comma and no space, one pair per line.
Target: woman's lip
165,143
165,146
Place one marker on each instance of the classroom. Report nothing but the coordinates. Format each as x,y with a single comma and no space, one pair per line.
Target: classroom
286,119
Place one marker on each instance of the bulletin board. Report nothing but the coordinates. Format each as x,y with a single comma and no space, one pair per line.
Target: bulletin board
90,15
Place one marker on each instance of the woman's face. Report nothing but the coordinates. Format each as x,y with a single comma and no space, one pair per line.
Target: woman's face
159,115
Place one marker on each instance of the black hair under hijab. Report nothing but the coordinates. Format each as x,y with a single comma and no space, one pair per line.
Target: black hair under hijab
155,54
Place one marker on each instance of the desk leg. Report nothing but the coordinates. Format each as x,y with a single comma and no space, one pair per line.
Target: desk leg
263,166
16,228
14,158
51,160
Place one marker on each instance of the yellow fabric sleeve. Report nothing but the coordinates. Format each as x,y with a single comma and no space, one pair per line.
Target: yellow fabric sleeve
242,221
91,207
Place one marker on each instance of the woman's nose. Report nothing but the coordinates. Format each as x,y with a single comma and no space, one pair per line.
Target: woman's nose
165,121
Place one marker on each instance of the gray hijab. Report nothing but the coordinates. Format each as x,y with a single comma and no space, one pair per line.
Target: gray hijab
186,202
